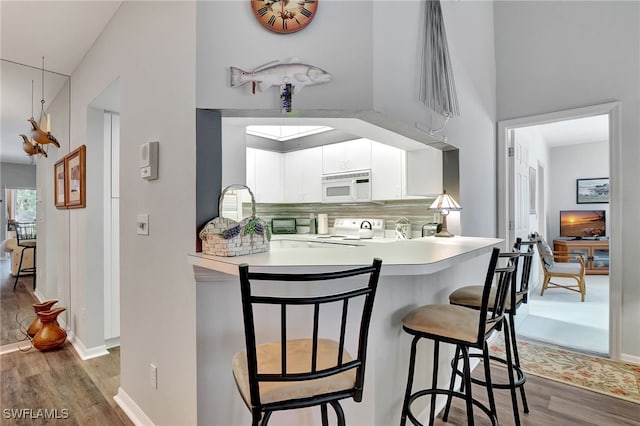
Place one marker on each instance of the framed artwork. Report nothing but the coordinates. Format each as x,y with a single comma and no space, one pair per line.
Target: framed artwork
532,190
59,184
75,173
593,190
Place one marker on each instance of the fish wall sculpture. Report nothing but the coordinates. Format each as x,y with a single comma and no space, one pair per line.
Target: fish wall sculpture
276,73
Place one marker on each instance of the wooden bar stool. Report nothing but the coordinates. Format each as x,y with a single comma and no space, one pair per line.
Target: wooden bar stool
471,297
304,372
464,327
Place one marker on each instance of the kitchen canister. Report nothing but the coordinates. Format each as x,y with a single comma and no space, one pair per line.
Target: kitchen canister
323,223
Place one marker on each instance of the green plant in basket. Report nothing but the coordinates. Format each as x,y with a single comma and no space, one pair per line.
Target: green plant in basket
256,226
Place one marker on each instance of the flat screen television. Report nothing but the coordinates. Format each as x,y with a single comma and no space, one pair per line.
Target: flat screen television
583,223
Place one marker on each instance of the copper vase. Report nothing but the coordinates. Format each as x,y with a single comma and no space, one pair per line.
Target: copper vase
51,335
36,324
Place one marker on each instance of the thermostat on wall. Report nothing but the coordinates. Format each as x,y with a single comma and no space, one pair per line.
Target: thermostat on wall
149,160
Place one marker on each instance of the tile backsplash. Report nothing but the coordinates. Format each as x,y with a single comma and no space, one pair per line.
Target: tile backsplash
417,211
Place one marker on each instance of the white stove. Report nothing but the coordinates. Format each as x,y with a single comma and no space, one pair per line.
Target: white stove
350,229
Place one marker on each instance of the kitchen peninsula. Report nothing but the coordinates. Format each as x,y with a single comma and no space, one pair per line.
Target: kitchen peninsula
414,272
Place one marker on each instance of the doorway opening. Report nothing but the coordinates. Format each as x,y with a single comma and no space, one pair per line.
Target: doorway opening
556,189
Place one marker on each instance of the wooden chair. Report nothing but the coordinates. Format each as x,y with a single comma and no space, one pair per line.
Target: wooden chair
554,268
26,239
311,371
466,328
471,297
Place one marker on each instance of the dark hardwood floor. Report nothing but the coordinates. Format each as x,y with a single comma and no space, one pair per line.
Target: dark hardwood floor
550,403
59,382
16,305
54,386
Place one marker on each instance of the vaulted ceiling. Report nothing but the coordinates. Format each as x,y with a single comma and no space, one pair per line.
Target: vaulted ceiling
63,32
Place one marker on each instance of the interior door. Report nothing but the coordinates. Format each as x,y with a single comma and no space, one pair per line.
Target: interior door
519,188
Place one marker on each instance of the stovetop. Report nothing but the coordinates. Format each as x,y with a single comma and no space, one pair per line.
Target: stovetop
349,228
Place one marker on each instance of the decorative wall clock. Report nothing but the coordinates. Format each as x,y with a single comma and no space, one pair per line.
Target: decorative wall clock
284,16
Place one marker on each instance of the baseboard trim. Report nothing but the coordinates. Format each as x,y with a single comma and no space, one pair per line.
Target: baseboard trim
84,352
112,343
12,347
630,358
39,296
131,409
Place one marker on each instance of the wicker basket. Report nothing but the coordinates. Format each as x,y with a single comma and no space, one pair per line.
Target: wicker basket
226,237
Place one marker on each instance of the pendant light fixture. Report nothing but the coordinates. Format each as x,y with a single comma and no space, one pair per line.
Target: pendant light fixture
30,147
41,133
437,86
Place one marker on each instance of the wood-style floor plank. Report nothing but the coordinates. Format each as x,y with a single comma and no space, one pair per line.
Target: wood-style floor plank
57,380
551,403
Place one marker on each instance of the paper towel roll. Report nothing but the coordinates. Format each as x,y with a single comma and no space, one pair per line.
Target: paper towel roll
323,223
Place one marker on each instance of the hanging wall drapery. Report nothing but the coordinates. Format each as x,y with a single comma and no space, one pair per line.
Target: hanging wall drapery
437,87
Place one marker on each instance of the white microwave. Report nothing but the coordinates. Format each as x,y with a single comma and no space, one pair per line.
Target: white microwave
346,187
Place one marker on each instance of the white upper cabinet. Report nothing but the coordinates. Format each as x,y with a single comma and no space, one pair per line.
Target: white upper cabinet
346,156
386,171
264,175
295,177
424,172
302,176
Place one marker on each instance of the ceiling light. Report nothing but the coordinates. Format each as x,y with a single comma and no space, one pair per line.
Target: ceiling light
285,133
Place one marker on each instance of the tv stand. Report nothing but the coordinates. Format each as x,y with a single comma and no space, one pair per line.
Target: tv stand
594,251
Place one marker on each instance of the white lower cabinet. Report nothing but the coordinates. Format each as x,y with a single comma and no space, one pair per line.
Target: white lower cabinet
302,176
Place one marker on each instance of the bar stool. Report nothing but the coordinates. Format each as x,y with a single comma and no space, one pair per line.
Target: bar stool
464,327
304,372
26,239
471,297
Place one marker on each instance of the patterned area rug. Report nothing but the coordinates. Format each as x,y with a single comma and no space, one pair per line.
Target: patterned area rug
602,375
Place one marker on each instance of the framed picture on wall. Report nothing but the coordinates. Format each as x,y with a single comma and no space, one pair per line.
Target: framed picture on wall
592,190
532,190
75,172
59,184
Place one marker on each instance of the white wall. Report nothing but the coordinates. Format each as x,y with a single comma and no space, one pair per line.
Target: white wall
568,163
538,153
397,47
53,223
151,47
587,53
338,41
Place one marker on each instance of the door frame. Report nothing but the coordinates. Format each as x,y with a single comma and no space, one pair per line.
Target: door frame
613,110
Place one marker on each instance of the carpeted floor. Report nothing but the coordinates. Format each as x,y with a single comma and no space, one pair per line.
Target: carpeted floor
602,375
559,318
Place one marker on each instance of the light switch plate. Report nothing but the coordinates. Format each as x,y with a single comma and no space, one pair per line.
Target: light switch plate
142,225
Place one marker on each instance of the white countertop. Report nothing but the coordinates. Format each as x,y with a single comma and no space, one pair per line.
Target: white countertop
399,257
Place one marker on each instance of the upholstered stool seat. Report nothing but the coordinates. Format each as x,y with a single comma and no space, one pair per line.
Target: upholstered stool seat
449,321
299,353
466,328
471,296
